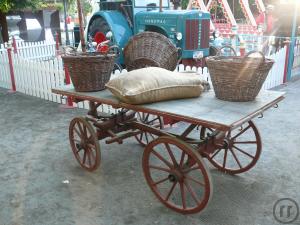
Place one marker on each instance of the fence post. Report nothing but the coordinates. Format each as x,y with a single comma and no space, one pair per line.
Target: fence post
11,69
287,44
57,44
14,45
68,81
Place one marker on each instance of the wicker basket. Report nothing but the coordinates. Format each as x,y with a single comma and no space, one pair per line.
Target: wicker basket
150,49
238,79
89,71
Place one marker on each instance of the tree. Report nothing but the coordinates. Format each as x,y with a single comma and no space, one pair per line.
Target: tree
86,8
12,5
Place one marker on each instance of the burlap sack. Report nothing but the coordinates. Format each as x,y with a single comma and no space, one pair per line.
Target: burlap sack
154,84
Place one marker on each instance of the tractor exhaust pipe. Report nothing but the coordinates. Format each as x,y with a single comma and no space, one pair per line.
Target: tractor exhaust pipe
160,6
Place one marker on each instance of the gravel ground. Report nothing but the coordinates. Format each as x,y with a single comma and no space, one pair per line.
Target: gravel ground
36,160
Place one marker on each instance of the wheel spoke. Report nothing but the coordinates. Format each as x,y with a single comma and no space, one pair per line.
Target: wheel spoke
191,169
75,140
171,154
89,158
141,136
193,194
152,136
85,132
77,132
170,192
160,168
182,195
182,159
236,159
79,150
80,129
84,157
146,136
194,180
161,181
92,146
151,121
92,155
242,151
146,118
162,159
240,133
216,153
225,158
245,142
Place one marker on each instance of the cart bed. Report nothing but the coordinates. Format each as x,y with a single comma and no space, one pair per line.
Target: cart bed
205,110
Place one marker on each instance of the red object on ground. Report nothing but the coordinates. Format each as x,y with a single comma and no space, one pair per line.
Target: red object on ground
11,68
99,37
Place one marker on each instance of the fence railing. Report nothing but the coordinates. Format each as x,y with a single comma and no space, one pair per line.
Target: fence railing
37,78
42,50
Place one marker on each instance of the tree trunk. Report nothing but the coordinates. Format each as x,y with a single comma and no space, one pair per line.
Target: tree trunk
4,28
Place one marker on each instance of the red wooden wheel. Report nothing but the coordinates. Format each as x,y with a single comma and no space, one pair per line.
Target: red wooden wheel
183,188
156,121
84,144
241,150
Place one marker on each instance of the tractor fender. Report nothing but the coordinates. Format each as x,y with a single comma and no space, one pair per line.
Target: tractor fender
118,26
156,29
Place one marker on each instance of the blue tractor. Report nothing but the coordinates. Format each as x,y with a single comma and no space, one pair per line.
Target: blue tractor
150,34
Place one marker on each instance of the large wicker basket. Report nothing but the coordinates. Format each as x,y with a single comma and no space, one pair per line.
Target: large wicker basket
150,49
89,71
238,79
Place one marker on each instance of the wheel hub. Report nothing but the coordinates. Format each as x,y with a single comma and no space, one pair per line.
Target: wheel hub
176,175
228,143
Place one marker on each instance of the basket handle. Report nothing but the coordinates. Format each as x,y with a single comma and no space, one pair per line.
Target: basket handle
259,52
226,46
114,49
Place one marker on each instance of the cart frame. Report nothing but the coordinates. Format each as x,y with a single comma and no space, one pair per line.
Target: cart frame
173,160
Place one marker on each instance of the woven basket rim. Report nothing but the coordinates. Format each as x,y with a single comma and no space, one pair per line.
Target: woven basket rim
236,59
84,55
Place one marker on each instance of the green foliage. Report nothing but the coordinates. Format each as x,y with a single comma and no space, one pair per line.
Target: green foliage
86,7
58,6
4,6
7,5
184,4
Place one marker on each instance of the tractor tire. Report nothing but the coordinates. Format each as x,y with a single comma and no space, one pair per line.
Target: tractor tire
148,49
98,24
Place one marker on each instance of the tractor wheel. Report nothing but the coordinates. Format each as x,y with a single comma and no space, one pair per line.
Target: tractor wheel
150,49
98,26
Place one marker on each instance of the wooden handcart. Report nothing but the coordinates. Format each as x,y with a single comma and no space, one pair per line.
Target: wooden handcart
173,162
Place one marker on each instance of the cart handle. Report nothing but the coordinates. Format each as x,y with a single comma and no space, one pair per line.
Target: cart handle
114,49
226,46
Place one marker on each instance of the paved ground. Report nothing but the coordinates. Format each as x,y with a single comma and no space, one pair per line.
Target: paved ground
36,159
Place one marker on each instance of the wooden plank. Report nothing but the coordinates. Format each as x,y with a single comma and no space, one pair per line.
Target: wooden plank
206,110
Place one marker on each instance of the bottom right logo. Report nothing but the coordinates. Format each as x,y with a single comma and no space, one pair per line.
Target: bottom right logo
286,210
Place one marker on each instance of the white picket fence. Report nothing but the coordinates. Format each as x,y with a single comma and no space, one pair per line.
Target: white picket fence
37,78
39,51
